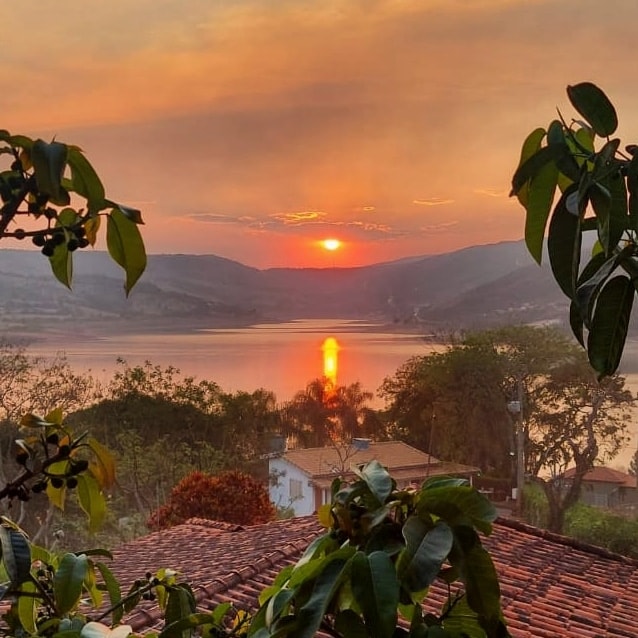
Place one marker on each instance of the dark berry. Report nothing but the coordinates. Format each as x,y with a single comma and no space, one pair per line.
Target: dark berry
53,438
19,233
73,244
80,232
57,482
33,207
48,249
39,240
58,238
39,487
72,482
50,213
79,466
83,243
22,457
64,450
16,166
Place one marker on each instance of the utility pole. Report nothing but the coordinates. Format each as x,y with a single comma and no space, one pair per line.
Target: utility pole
516,408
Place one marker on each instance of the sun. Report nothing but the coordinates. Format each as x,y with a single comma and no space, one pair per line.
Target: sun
331,244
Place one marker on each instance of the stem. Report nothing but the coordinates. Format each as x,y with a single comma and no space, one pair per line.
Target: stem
123,601
10,209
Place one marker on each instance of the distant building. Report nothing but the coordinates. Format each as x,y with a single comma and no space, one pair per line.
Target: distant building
301,478
604,487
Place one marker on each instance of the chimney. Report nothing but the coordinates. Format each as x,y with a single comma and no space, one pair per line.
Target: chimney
361,444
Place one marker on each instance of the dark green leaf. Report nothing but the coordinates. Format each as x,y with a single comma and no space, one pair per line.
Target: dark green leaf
595,107
594,275
180,605
377,479
530,168
566,163
16,554
632,187
481,583
113,590
426,549
312,612
531,144
67,581
458,505
564,244
376,589
125,246
576,322
349,625
27,607
606,339
49,162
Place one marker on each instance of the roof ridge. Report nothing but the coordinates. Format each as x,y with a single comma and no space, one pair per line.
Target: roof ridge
568,541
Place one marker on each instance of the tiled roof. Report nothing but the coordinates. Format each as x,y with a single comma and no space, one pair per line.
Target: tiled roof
326,461
551,586
602,474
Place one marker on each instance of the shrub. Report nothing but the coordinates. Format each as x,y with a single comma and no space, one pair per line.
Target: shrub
232,497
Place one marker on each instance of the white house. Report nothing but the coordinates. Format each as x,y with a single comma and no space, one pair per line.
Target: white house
301,478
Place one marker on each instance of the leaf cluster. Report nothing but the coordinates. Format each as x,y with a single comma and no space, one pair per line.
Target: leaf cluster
370,572
55,189
597,188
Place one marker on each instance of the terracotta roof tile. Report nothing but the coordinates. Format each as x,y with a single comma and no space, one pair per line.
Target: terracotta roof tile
602,474
551,585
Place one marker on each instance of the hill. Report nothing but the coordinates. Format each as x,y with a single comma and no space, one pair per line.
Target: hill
473,287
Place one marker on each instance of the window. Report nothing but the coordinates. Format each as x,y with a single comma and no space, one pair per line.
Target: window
296,491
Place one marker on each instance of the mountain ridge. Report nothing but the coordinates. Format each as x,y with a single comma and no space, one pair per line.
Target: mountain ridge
475,286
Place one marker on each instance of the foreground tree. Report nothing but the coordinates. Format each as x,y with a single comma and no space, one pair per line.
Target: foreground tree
598,193
232,497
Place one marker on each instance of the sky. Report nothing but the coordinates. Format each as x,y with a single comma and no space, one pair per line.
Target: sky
253,129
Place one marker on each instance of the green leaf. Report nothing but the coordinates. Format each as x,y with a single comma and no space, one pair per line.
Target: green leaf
458,505
312,612
92,501
530,168
113,589
180,605
85,180
27,607
564,244
377,479
566,163
576,323
426,549
606,339
349,625
376,590
130,213
481,583
16,554
591,280
277,604
531,144
540,199
49,162
68,580
595,107
125,246
62,264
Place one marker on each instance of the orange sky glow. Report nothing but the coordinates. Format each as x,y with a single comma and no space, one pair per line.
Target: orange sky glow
254,130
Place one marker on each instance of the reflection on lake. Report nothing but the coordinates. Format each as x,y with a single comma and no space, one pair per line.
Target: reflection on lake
281,357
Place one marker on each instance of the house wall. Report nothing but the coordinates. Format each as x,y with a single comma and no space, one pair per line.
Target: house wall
607,494
292,488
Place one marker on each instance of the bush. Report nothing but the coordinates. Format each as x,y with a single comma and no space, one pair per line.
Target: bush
232,497
535,507
605,529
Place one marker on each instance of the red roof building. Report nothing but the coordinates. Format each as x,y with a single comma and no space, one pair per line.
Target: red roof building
551,585
605,487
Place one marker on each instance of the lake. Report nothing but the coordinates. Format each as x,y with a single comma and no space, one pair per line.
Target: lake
282,357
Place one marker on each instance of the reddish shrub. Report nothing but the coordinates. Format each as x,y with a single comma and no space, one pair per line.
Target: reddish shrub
233,497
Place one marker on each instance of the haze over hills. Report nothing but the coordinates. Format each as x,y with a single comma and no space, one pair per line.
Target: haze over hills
473,287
